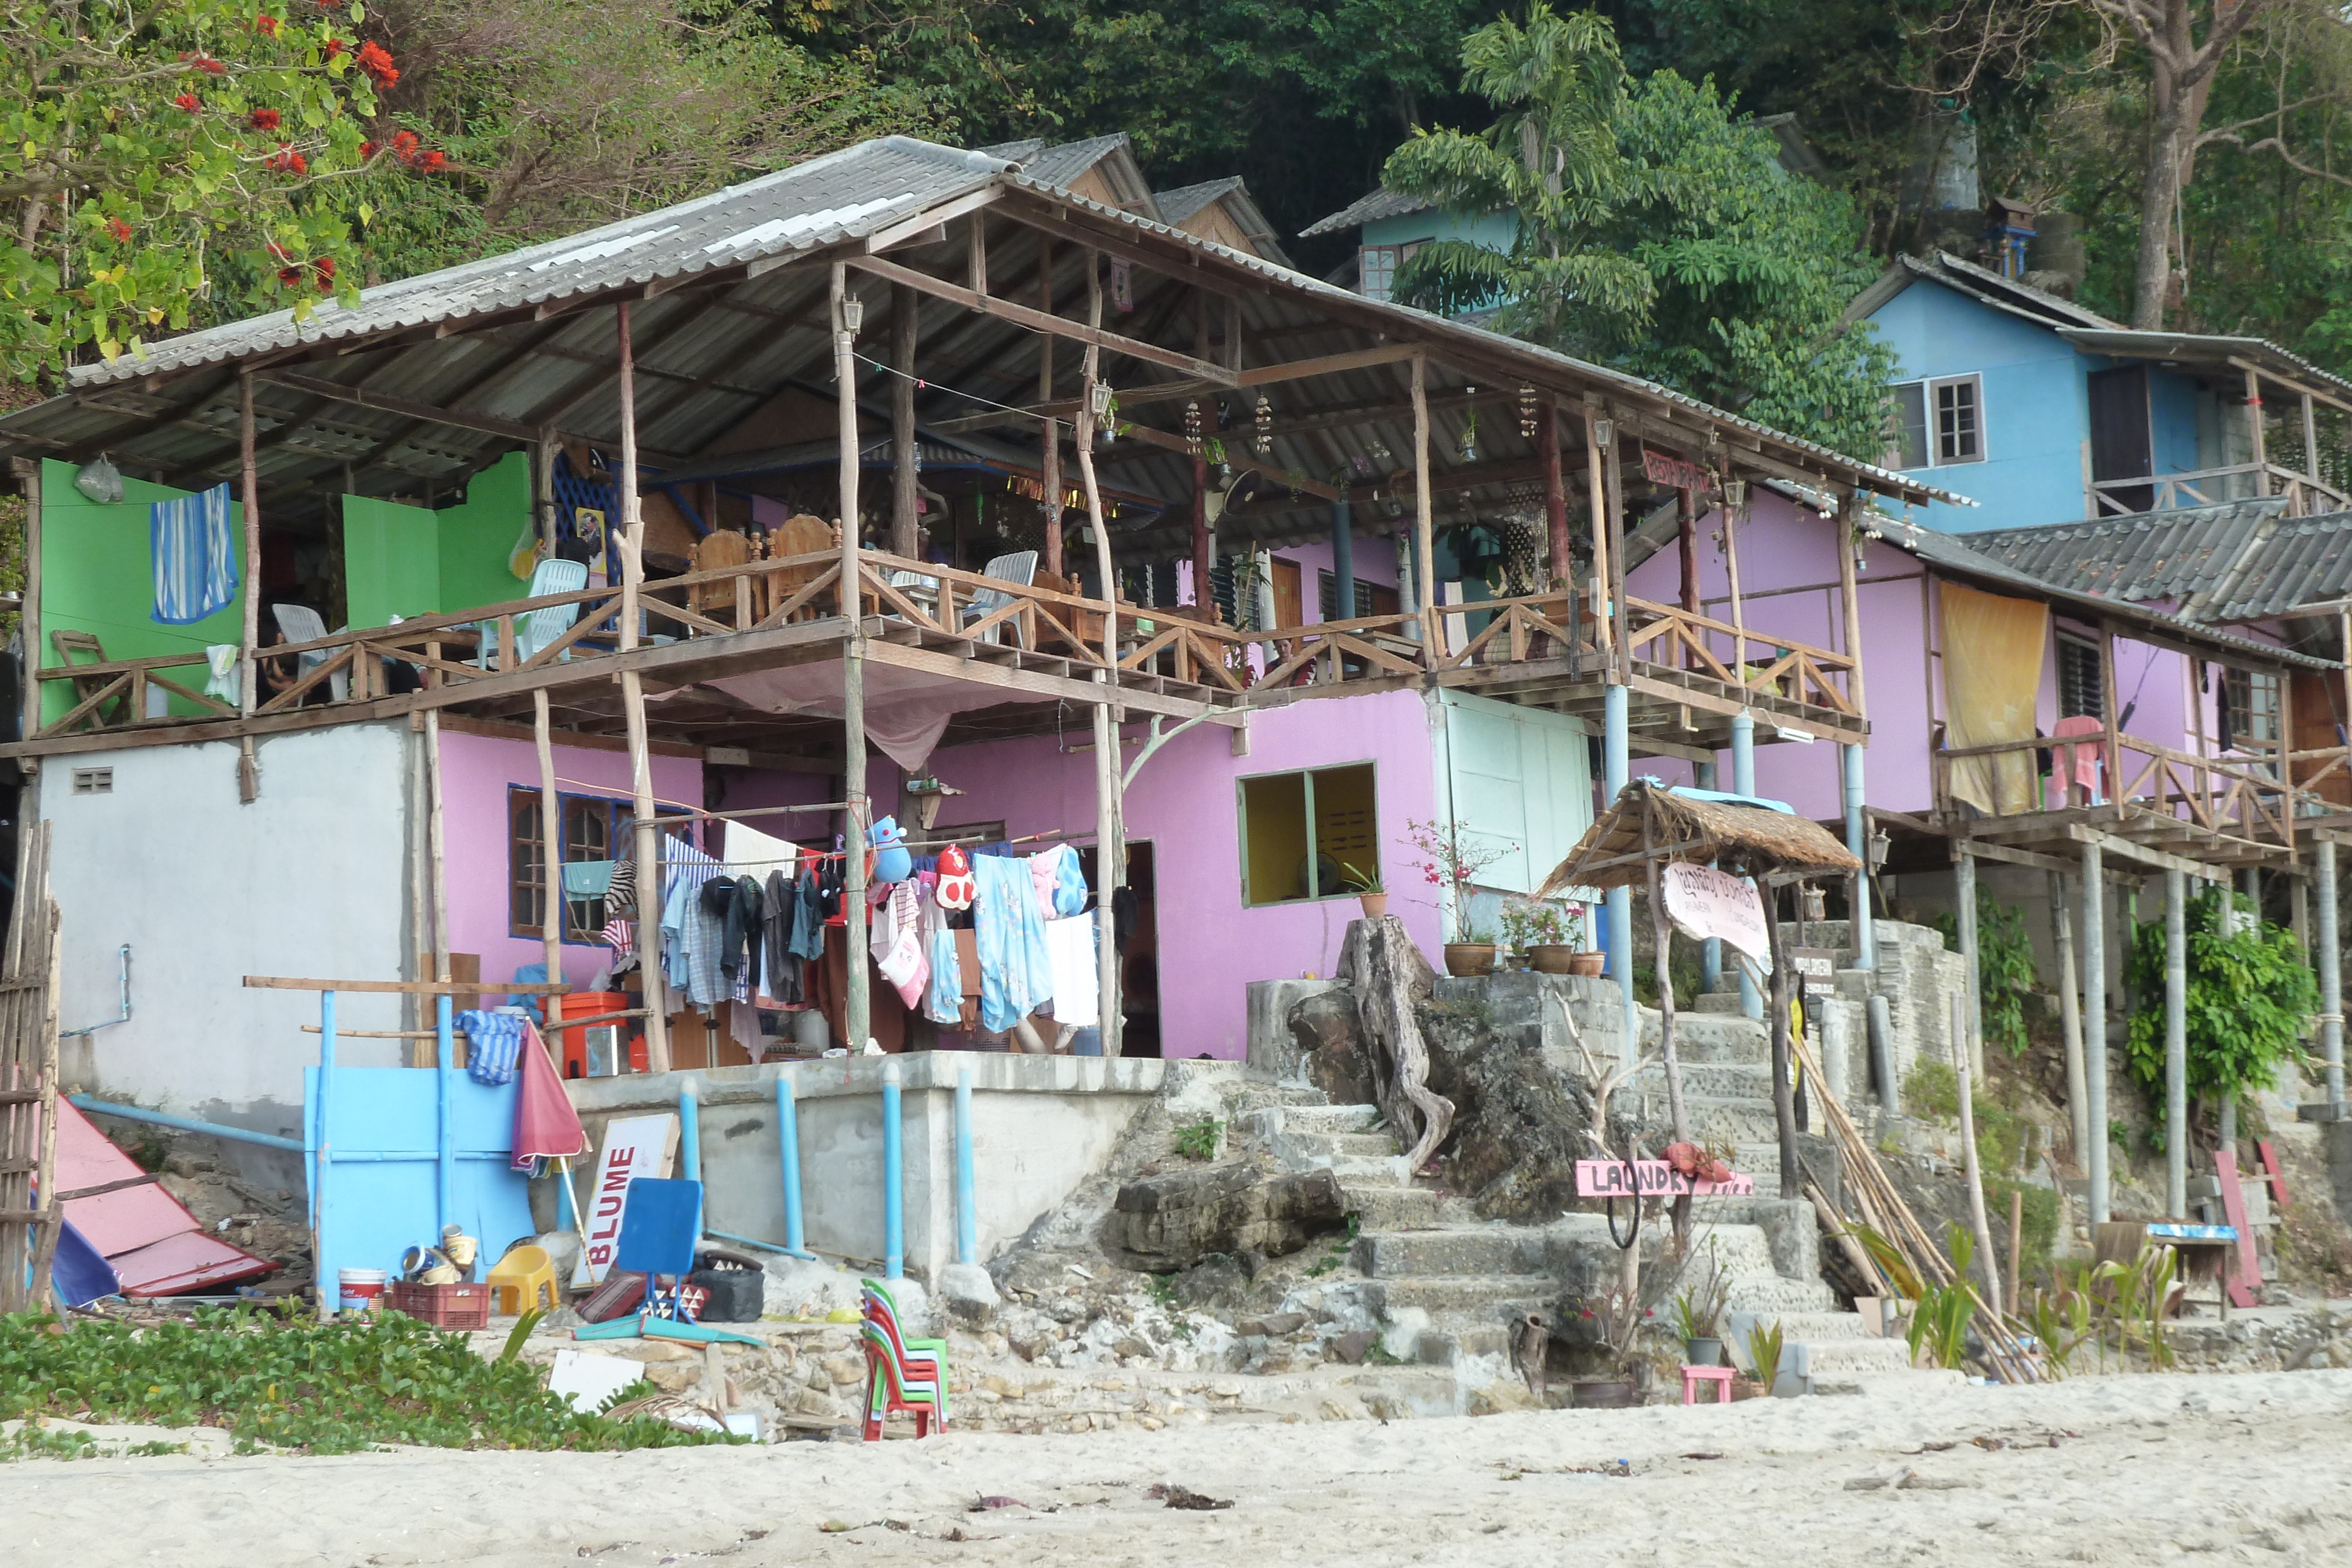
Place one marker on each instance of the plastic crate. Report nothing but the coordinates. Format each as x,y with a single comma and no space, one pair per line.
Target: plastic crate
443,1306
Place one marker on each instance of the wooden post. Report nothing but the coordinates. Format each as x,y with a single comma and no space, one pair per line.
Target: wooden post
856,1007
248,768
633,710
2310,449
436,843
1970,1042
1977,1221
2016,1248
1563,554
1425,549
420,895
1784,1099
905,538
28,617
2255,431
551,821
1049,442
2095,1025
1201,594
1597,500
2070,1010
1850,596
2107,718
1110,832
1662,937
1738,606
543,491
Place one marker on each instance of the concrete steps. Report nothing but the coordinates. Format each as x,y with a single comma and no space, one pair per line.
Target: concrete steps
1380,1206
1339,1138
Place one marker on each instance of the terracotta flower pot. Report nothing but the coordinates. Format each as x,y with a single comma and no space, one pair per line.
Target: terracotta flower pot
1375,904
1588,964
1551,958
1464,960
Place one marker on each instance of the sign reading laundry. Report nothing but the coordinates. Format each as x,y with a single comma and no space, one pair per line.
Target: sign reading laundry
1703,901
1654,1178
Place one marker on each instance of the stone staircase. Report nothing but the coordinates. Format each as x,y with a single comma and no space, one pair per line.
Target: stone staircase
1448,1286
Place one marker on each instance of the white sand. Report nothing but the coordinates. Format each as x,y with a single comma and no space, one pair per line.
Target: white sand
2248,1468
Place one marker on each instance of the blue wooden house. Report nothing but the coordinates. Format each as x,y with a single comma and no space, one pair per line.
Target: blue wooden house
2046,412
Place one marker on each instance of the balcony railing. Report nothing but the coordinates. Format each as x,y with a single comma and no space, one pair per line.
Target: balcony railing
2305,495
2244,797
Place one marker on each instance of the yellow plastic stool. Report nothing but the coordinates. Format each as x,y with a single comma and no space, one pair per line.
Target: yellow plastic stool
525,1276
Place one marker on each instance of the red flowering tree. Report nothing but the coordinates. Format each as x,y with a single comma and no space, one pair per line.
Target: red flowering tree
154,157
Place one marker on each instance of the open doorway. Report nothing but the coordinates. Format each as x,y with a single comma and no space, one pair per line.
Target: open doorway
1138,969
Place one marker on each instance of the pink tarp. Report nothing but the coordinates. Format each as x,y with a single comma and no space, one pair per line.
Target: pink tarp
545,1124
151,1240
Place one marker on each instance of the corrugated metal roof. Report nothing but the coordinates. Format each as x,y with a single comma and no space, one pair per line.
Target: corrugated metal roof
2179,556
1181,203
2305,561
2207,349
1377,205
1059,165
1954,555
856,191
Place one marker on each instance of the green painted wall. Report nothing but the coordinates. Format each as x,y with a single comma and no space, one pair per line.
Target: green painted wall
404,561
97,576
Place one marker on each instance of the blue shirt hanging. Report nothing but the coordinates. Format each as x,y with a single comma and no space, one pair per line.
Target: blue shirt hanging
194,556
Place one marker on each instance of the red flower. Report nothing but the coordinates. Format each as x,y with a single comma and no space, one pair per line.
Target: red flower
288,162
279,251
118,228
430,162
404,142
207,63
334,47
369,150
289,276
377,63
263,120
266,24
325,266
189,101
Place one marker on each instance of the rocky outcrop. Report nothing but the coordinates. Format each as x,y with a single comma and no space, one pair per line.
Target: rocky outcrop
1330,1040
1175,1220
1519,1125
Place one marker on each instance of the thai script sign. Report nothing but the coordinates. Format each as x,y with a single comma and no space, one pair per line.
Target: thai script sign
1703,901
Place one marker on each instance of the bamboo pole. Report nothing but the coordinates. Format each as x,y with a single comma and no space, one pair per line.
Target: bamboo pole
29,616
1850,596
1424,549
1971,1166
633,710
905,540
554,912
1110,833
1597,500
857,1008
2016,1249
248,767
2070,1010
420,890
1563,554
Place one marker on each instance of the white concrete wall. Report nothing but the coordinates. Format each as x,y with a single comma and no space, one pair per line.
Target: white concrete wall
1041,1125
309,880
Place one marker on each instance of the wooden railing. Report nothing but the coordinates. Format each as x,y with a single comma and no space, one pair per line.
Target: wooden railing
2215,487
1773,665
2246,797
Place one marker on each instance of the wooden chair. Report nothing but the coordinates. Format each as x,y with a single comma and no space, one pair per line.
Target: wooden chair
68,643
715,553
800,533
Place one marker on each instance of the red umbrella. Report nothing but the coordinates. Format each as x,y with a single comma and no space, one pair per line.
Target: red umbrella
545,1125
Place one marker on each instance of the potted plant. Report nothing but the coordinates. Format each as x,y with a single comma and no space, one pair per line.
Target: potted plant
1698,1319
1366,886
1451,861
1764,1346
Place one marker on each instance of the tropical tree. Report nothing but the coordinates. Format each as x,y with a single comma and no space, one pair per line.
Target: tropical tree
1653,232
151,156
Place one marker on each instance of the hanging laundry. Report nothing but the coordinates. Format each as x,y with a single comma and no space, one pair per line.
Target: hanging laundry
1014,973
750,853
780,966
943,1001
1042,875
587,879
1069,884
807,940
621,892
956,886
891,862
1070,954
693,937
897,943
740,906
493,1043
194,556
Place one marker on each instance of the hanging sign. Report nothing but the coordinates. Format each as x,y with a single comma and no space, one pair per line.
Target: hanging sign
1662,469
634,1147
1703,901
1652,1178
1816,969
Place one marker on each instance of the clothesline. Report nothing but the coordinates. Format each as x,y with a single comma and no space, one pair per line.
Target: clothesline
693,815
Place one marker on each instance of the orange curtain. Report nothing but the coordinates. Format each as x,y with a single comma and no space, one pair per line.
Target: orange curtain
1993,653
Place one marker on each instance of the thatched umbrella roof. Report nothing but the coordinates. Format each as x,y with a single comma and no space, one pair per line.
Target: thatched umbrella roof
1753,840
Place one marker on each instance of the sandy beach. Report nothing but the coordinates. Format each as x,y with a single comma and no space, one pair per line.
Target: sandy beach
2093,1470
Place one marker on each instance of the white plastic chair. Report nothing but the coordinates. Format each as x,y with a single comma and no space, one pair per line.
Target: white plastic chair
537,628
1020,567
300,623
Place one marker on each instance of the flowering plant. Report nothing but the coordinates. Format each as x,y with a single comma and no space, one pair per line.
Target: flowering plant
1532,922
1451,860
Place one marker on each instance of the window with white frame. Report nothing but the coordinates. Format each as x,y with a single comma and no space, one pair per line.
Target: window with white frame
1377,265
1935,422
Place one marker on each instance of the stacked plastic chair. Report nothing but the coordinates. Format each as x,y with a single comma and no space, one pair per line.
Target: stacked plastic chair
902,1374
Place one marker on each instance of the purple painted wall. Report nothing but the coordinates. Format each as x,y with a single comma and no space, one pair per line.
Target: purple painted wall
1185,802
476,772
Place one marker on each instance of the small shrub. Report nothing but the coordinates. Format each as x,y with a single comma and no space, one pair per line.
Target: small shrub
1199,1140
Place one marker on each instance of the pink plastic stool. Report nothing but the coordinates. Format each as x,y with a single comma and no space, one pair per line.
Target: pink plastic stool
1720,1376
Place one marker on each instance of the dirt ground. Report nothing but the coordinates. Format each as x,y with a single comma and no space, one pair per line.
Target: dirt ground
2093,1470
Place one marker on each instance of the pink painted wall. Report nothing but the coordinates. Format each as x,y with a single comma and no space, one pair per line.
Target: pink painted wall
477,771
1185,802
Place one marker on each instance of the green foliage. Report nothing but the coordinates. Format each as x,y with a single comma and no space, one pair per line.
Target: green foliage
2041,1216
1764,1352
1655,232
2250,1000
1199,1140
1932,1089
520,1333
292,1382
2060,1322
1698,1309
2005,972
1940,1322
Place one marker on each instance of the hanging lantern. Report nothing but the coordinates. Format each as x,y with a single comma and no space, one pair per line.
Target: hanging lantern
1193,428
1470,440
1827,505
1265,425
1528,412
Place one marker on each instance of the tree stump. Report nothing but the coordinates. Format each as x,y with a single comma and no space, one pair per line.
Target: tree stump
1390,975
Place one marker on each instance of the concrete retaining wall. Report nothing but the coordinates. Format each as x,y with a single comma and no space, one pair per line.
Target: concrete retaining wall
1041,1125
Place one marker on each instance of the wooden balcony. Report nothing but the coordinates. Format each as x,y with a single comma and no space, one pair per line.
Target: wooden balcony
2307,494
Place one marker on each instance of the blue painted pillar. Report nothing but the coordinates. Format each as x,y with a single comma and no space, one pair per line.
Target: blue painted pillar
1743,782
444,1067
788,1148
1617,767
689,1132
1343,561
1710,952
321,1154
894,1216
1857,843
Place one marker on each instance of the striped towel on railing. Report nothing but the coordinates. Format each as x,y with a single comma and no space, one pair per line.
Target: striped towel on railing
194,556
